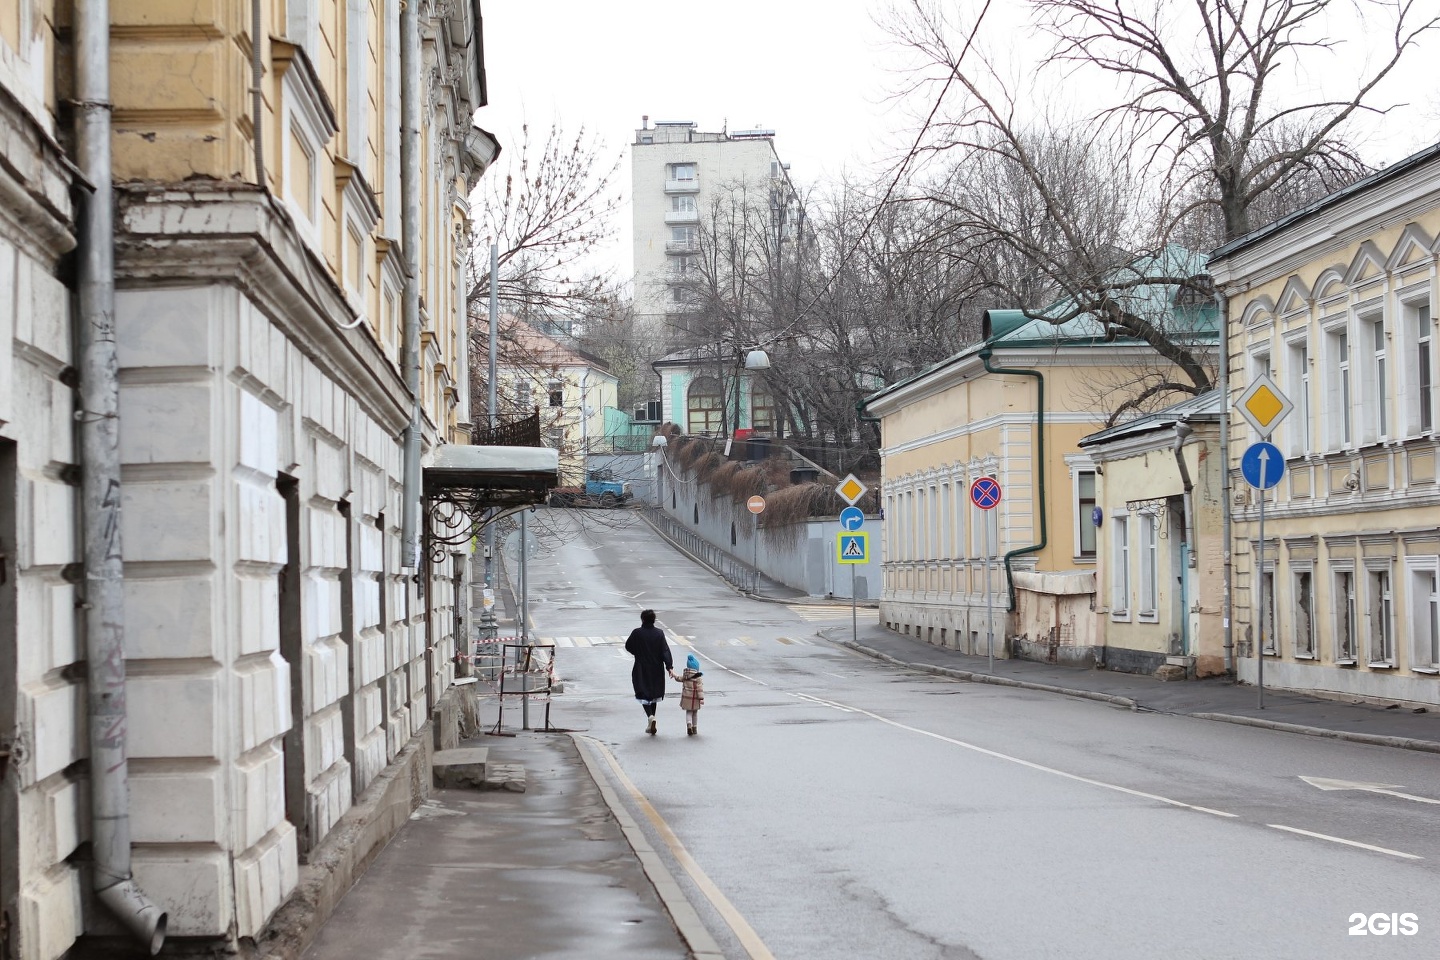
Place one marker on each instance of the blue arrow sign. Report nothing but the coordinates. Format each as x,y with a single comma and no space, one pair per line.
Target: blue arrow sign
852,518
985,493
1262,465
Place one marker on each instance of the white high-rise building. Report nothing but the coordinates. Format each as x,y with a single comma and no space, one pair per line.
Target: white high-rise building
677,173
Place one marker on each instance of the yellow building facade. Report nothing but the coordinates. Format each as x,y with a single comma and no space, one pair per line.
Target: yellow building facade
1336,303
1013,407
1158,541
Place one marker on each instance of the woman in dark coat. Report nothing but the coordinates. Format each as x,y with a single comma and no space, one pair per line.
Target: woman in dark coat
647,645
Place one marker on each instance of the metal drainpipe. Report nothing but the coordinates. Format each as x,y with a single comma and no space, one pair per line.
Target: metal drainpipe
257,94
99,429
410,242
1222,303
1182,433
1039,462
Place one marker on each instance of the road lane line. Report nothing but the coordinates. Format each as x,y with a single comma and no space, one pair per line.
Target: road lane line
706,656
1024,763
1348,843
749,939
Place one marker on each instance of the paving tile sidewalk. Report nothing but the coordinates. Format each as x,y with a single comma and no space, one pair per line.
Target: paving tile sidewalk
1212,699
543,874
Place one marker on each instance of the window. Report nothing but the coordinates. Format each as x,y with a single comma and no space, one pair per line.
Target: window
1267,613
992,531
1338,389
957,492
1424,367
1149,564
1346,625
1298,367
1084,507
1382,628
1304,595
680,171
1121,577
682,234
762,409
703,409
684,203
1377,400
946,545
1425,620
556,390
300,185
922,528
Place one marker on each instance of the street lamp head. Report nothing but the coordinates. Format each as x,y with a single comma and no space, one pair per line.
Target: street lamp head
757,359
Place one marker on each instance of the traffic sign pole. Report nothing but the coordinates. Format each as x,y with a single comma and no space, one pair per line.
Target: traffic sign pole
985,493
1260,578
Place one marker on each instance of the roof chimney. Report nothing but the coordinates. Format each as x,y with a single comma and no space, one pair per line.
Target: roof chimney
645,122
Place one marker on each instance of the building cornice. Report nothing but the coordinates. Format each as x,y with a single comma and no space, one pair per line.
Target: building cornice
1334,228
241,237
35,180
1058,418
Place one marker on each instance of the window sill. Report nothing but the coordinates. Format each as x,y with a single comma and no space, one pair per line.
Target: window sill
1346,662
1430,671
1149,618
1381,665
1121,616
1305,656
1271,652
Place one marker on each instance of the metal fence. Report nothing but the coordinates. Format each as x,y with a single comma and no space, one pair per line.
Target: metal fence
734,570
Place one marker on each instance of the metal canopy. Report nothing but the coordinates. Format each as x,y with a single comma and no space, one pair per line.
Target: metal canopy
466,486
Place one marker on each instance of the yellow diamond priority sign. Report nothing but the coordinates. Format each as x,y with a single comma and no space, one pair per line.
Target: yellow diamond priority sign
1263,405
851,489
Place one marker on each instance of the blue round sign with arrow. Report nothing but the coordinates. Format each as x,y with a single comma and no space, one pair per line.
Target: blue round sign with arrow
852,518
1262,465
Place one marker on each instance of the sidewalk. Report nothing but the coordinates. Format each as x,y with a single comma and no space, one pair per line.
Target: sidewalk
1211,699
547,873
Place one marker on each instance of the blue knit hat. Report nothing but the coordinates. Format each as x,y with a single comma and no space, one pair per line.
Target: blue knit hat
692,663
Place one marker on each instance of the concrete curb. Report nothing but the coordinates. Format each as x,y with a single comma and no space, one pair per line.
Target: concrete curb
682,912
972,677
1375,739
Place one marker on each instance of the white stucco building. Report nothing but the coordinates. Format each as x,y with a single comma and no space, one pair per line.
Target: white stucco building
278,304
677,172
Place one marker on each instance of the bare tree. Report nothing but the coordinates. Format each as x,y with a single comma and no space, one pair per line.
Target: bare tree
548,216
1203,85
1201,144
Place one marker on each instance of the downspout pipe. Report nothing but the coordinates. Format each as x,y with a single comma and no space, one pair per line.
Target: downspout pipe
985,355
1182,433
99,427
1222,303
410,66
257,94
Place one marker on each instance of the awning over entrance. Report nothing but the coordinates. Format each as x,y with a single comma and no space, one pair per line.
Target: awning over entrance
504,476
466,486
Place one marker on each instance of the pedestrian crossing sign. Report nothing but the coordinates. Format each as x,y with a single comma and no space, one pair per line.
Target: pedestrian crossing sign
852,548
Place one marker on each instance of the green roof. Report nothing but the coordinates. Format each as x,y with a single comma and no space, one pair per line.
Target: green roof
1013,328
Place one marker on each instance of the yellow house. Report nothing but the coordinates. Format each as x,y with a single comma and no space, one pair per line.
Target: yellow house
570,387
1158,541
1013,407
1336,303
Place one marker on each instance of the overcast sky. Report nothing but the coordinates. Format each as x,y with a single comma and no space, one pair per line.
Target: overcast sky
817,72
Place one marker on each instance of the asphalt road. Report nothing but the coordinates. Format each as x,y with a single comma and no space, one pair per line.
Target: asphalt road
838,807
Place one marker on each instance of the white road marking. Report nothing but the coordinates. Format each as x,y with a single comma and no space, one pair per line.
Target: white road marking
1389,789
754,947
815,612
710,659
1348,843
1024,763
824,703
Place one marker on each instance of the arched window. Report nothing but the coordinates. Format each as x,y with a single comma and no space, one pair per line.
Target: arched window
762,408
704,414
